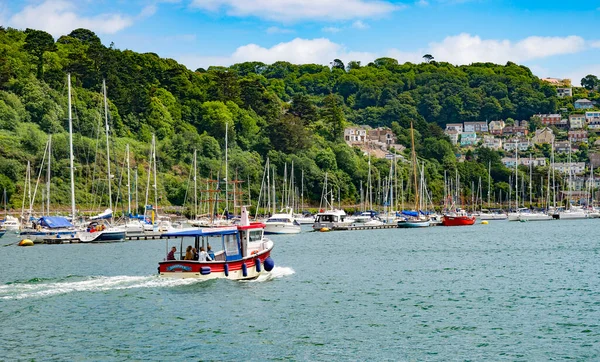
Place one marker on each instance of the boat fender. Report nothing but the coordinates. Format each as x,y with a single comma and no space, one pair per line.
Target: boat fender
244,270
226,270
25,242
205,270
269,264
258,266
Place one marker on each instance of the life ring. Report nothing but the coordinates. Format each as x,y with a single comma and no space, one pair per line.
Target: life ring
254,252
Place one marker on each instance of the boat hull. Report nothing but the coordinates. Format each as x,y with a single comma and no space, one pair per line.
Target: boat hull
410,224
282,228
215,269
458,220
493,217
534,217
102,237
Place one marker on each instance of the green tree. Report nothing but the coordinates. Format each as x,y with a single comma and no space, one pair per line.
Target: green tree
37,43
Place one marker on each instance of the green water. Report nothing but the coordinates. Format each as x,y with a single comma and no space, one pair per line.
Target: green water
503,291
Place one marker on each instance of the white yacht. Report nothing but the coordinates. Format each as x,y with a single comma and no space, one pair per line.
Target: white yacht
282,223
11,224
534,216
305,219
365,219
486,214
573,212
332,219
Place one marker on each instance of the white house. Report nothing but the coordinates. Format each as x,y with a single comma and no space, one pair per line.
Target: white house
453,135
355,135
592,114
468,139
574,167
477,127
492,142
577,121
564,92
522,144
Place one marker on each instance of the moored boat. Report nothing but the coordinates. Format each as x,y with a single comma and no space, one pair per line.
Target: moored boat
245,254
331,219
457,219
282,223
486,214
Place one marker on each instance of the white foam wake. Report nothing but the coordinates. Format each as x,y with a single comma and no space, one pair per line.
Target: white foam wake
92,284
277,272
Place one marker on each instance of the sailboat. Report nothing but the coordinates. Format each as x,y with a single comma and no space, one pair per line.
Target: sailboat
572,212
457,217
332,218
284,222
415,220
488,214
533,215
11,223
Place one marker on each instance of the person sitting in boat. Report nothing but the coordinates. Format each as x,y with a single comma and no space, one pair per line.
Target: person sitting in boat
188,253
210,253
195,253
203,255
171,255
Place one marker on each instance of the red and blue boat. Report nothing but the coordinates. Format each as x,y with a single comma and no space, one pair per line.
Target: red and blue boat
245,252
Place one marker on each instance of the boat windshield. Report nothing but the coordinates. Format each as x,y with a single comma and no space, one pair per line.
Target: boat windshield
278,220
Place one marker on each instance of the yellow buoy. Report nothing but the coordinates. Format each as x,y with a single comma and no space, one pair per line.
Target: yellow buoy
484,222
324,229
25,242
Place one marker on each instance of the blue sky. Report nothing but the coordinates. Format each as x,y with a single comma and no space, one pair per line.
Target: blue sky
554,38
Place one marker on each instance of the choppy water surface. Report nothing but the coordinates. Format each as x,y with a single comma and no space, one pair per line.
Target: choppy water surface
503,291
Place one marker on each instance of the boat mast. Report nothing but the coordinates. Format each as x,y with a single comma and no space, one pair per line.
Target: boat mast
226,169
107,145
195,186
149,175
71,156
489,181
128,181
530,180
48,174
155,183
414,162
516,176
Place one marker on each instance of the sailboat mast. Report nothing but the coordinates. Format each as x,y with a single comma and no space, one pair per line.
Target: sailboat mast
530,180
48,174
516,176
226,169
71,156
154,169
128,181
489,181
414,162
107,144
195,186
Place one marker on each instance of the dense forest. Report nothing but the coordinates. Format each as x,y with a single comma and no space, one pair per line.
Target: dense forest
286,112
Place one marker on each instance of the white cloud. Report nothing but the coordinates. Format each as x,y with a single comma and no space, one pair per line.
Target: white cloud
595,44
297,51
358,24
294,10
459,49
58,17
331,29
581,72
422,3
466,48
278,30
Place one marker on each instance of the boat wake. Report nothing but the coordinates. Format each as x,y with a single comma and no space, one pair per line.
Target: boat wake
277,272
40,288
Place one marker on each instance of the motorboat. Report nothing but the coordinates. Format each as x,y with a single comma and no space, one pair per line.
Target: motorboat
366,218
573,212
514,216
486,214
11,224
534,216
245,252
332,219
304,219
457,218
50,227
99,231
282,223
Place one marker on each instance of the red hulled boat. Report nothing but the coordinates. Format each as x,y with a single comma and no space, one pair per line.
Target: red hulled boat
457,219
245,252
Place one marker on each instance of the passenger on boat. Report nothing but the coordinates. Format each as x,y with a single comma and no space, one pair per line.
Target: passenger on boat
210,253
195,252
171,254
203,255
188,253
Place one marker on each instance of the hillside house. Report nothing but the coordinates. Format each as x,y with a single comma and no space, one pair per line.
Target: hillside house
477,127
577,121
382,134
591,114
577,136
563,146
456,126
544,135
535,162
355,135
519,131
492,142
522,144
549,119
468,139
583,104
496,127
564,92
453,134
574,168
594,124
